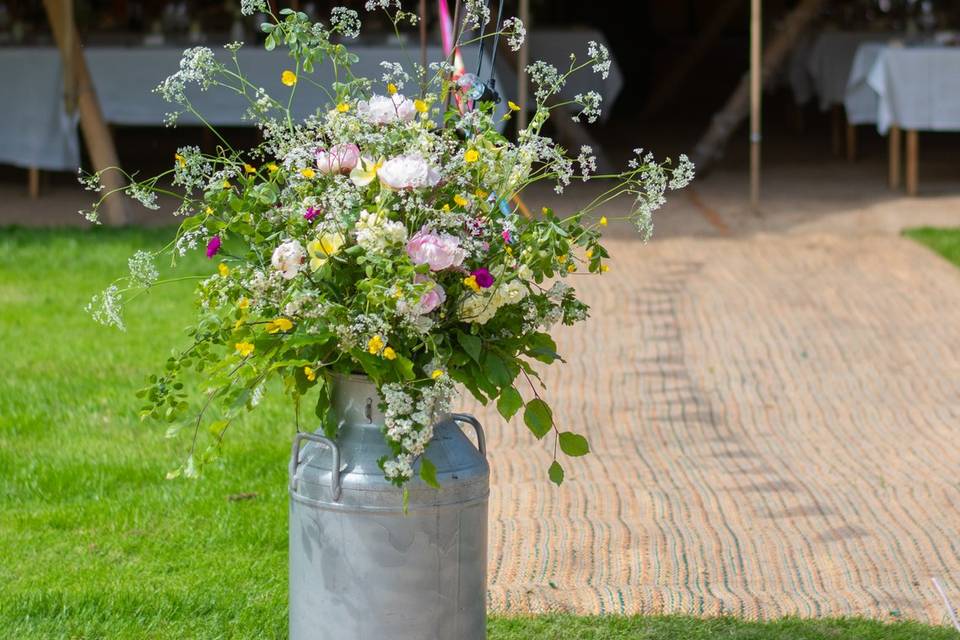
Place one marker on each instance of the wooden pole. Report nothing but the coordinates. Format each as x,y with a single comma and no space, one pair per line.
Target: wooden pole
894,157
96,134
913,162
523,59
33,182
756,93
423,34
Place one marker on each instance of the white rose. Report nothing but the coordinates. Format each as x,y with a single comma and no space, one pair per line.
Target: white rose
410,171
387,109
288,258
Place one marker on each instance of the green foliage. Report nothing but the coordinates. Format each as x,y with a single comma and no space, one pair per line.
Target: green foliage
538,417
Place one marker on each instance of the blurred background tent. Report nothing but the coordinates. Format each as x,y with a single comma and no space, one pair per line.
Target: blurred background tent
680,81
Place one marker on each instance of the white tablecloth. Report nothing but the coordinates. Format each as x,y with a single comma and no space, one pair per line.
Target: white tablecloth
917,88
861,101
36,131
828,62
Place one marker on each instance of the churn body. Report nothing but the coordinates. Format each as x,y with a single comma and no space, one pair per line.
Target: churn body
362,569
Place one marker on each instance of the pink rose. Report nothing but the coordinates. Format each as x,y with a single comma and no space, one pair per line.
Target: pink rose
439,250
340,158
432,298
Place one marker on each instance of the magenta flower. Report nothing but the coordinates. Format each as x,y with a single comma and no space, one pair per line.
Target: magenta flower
483,277
506,236
312,212
213,246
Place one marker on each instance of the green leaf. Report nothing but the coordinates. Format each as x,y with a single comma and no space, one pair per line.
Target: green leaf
404,367
428,471
542,347
509,402
538,417
556,473
496,370
471,344
573,444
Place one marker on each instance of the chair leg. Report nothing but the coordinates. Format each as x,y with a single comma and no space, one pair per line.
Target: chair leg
851,143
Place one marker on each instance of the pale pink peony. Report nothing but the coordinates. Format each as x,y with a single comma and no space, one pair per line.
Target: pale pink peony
439,250
410,171
340,158
288,259
387,109
432,298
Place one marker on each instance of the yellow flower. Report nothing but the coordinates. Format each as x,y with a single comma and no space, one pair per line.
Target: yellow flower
561,259
308,173
343,107
226,184
272,167
223,269
391,88
248,168
509,251
209,210
460,200
437,373
323,248
604,268
278,325
471,281
375,345
288,78
571,268
472,155
310,374
420,106
365,172
446,208
589,253
480,193
544,210
243,303
180,159
603,221
513,105
244,348
389,353
238,324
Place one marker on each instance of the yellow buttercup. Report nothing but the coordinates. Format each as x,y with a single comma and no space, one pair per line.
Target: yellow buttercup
323,248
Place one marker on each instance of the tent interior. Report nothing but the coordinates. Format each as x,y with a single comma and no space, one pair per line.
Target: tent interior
680,61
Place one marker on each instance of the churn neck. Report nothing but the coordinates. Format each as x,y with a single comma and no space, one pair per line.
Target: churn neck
356,401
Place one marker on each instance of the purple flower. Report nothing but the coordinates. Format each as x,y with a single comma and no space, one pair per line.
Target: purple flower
439,250
213,246
312,212
483,277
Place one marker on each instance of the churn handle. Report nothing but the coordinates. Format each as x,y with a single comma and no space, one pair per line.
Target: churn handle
334,470
473,422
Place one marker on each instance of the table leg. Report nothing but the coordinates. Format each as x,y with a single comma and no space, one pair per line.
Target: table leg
33,182
894,157
913,161
851,143
836,129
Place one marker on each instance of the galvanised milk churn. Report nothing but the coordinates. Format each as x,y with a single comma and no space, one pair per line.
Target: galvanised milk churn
361,569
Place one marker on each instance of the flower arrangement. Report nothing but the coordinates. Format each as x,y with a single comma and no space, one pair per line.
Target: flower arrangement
381,235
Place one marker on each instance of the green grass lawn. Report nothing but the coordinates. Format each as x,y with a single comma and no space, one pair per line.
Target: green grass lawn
946,242
94,543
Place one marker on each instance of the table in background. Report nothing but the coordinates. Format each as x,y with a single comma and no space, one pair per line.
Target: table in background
918,89
38,133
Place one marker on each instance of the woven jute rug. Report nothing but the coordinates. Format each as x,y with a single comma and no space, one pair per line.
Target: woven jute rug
774,426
